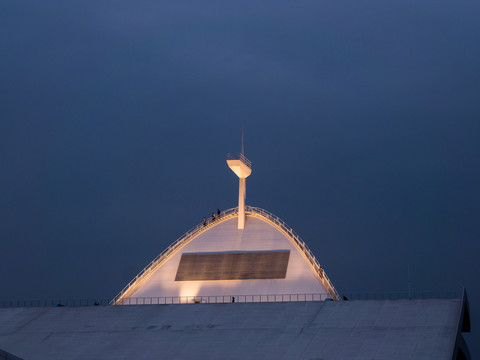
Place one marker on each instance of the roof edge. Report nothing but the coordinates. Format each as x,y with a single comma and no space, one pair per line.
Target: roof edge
168,252
460,349
299,243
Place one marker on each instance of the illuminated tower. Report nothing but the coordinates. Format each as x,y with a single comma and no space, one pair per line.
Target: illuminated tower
242,167
214,260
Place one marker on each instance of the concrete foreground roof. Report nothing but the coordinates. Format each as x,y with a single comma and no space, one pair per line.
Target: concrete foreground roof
360,329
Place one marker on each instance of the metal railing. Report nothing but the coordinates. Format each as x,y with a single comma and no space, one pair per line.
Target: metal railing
225,215
58,302
399,295
220,299
165,254
279,223
165,300
241,157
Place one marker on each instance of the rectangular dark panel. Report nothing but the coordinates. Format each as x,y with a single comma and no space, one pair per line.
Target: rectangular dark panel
254,265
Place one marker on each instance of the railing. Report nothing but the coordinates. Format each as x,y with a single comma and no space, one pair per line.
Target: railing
212,299
398,295
222,299
241,157
54,302
224,215
279,223
165,254
165,300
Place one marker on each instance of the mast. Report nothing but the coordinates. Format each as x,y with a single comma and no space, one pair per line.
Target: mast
242,167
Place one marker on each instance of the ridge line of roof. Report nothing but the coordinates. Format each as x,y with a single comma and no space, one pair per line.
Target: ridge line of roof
288,231
169,251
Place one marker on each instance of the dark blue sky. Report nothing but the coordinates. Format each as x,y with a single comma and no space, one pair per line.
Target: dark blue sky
362,120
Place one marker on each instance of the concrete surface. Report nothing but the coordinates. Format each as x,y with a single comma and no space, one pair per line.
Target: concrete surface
370,329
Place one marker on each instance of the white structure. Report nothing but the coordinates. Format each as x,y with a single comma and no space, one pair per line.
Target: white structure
242,167
264,233
246,253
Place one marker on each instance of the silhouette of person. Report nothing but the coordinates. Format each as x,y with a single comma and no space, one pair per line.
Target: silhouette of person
204,222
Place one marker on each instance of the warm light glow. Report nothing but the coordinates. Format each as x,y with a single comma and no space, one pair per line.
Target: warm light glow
190,288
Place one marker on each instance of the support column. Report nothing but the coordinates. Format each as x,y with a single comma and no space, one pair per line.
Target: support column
242,167
242,188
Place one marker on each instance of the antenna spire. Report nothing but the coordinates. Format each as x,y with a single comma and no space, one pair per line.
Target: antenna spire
243,133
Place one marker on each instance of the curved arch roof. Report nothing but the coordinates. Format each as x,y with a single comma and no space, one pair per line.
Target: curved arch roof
267,257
